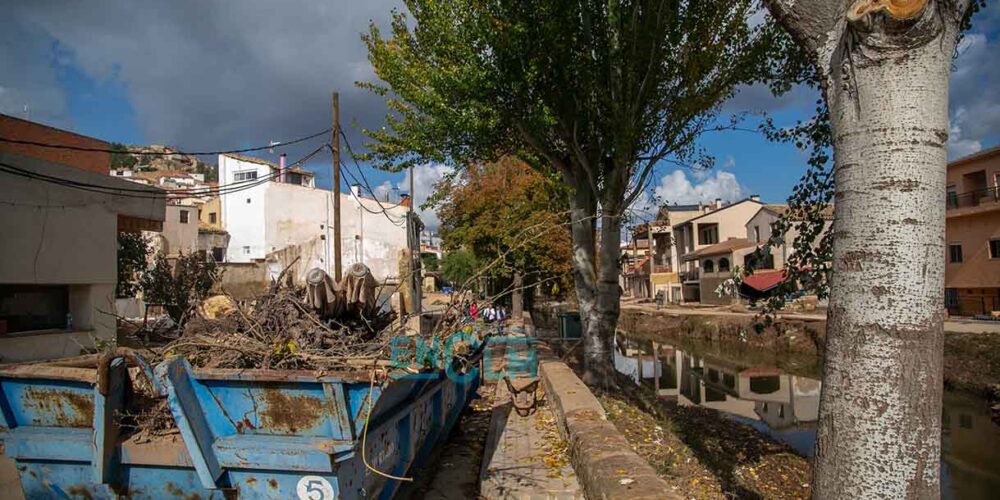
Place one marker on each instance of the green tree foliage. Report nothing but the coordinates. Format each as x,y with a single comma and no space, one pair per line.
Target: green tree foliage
179,286
459,266
133,250
509,215
211,172
430,261
596,92
121,158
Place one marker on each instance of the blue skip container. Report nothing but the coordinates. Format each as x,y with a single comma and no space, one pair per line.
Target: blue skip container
241,433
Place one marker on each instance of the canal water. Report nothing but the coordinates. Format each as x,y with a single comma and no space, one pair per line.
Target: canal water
780,399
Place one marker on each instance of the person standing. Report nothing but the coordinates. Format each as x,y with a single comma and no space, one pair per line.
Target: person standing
501,318
473,311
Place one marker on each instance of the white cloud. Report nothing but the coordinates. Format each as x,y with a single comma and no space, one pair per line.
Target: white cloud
958,145
975,93
675,187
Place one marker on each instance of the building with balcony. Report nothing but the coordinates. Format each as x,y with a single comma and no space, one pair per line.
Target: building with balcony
972,257
715,226
649,263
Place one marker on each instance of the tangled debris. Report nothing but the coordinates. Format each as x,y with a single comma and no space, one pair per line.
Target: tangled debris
329,326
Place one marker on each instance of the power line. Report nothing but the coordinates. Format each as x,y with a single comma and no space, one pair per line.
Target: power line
362,172
146,193
382,210
162,153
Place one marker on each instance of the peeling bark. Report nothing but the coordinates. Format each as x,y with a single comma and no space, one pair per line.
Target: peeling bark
886,83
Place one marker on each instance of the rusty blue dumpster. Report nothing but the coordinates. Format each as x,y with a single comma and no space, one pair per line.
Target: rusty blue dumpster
240,433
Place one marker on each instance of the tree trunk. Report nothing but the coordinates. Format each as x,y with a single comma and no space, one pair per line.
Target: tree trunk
583,208
604,318
880,408
517,298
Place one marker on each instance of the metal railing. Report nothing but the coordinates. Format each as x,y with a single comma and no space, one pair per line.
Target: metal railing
973,198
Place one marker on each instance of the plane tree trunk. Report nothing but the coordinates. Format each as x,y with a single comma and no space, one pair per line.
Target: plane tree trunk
885,66
595,270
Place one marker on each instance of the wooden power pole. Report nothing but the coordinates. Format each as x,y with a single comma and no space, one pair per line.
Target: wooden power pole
652,258
335,142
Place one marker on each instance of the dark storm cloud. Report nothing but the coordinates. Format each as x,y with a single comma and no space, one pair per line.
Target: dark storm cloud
200,74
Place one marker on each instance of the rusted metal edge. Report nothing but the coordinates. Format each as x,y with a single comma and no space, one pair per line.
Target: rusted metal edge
258,375
88,375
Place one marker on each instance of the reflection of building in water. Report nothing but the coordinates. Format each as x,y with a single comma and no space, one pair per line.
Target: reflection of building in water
969,440
767,394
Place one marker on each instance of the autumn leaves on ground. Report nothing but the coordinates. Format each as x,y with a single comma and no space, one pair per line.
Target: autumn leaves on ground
703,454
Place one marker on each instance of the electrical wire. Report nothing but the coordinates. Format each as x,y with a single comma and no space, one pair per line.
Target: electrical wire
147,193
361,171
398,222
382,208
163,153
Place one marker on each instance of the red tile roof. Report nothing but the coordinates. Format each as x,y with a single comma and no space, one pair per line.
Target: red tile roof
725,247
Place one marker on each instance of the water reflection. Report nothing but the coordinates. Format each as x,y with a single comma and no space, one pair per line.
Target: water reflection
786,407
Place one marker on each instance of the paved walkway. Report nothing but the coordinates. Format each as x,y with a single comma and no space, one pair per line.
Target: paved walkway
526,458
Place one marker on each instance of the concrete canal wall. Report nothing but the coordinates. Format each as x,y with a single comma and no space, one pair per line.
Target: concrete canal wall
602,458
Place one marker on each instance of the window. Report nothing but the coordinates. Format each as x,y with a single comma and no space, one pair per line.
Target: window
709,266
708,234
952,199
995,249
218,254
25,308
951,297
756,234
246,250
723,265
766,261
954,253
184,216
212,218
246,175
248,201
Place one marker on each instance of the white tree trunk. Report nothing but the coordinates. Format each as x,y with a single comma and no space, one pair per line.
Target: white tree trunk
880,409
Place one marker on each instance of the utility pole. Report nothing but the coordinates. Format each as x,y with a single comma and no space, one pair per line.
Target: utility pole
652,257
635,262
414,238
335,142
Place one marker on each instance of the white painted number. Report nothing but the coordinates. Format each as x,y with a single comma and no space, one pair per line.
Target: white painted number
314,488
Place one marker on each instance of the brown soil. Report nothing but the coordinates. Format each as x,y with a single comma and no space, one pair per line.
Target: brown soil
703,454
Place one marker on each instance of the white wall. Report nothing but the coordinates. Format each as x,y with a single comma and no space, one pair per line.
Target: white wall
281,215
242,211
297,214
56,235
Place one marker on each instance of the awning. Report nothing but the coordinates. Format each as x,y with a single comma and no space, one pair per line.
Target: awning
764,281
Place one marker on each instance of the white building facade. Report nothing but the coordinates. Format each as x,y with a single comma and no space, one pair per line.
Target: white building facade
280,207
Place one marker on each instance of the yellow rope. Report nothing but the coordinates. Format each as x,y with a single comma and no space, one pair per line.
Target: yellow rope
364,435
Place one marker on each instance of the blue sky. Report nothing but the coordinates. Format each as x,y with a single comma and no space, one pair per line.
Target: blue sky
217,75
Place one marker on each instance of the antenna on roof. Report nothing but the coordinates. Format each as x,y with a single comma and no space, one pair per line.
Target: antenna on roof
271,145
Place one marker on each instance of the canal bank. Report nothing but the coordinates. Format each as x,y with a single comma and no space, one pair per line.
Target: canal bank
732,404
971,358
704,399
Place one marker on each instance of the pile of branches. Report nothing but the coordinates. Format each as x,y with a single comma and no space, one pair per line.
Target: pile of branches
279,330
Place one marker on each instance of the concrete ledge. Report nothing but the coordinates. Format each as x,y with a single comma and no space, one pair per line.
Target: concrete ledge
604,461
